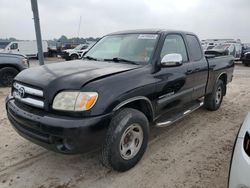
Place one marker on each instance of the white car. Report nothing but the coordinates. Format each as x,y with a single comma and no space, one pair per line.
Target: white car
76,53
240,164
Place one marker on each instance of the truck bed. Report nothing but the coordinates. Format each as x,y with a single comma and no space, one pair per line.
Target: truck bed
219,65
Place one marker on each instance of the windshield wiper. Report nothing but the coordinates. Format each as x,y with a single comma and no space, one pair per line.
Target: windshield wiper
118,59
90,58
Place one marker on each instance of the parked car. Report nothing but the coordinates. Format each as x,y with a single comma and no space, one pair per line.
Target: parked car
207,46
28,48
240,162
246,59
76,53
10,66
245,49
238,50
125,81
222,50
238,47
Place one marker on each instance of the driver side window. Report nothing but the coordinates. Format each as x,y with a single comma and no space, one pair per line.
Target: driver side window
174,44
14,46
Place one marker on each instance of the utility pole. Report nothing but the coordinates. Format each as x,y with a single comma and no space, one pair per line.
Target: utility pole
34,7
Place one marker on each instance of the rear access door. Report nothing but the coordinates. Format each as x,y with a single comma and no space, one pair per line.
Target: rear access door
199,66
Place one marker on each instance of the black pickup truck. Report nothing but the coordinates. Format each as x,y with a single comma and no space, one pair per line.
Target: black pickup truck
124,83
10,66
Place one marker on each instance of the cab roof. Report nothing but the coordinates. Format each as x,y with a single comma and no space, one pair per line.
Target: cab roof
150,31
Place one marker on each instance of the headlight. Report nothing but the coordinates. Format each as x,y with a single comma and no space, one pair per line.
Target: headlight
25,62
74,100
247,143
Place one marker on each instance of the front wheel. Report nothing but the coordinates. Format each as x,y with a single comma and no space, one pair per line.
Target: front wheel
126,140
7,76
213,101
73,57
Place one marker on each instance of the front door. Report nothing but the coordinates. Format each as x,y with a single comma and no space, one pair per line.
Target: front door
175,85
13,48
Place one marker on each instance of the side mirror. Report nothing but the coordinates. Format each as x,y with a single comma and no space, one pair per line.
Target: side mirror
171,60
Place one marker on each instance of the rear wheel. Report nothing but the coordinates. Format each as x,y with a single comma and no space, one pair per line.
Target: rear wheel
213,100
126,139
7,75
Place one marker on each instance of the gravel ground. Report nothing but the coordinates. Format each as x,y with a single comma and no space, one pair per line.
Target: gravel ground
194,152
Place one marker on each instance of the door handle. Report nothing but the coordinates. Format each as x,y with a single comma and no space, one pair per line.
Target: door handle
197,69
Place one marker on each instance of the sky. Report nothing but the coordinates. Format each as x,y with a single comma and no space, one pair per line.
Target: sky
206,18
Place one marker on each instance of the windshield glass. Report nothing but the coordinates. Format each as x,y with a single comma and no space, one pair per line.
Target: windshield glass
131,47
79,47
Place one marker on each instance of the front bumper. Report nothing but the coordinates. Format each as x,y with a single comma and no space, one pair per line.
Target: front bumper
59,133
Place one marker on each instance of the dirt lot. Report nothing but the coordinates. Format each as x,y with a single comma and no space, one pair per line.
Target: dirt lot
194,152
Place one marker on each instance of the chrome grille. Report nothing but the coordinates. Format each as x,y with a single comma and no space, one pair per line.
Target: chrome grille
28,95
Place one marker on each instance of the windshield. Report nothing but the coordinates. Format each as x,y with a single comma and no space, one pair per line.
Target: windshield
79,47
131,47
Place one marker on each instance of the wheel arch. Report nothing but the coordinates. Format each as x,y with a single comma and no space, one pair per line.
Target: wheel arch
140,103
74,54
223,78
5,65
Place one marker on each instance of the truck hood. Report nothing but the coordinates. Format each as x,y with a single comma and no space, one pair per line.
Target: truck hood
70,75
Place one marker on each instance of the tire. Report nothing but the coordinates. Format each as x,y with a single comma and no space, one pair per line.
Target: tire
126,124
67,58
213,101
73,57
7,75
246,63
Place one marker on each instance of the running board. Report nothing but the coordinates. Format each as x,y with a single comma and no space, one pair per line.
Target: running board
166,119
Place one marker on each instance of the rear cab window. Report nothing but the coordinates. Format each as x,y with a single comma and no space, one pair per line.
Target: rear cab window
195,51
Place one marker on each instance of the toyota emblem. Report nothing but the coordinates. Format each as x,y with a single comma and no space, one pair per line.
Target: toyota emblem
21,92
